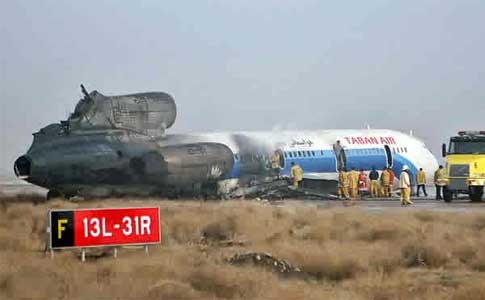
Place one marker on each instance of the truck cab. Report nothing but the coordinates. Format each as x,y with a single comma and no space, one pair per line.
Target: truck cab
465,165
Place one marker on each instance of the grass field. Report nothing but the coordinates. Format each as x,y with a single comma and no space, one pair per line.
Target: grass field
343,253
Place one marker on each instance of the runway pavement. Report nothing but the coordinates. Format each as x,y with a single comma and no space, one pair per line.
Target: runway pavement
461,205
16,187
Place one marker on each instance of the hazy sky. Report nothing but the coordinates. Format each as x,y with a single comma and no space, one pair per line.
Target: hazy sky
248,65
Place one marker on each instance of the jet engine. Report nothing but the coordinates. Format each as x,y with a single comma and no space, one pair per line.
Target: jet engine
197,163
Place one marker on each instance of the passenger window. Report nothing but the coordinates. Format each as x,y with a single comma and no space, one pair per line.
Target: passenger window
313,153
299,153
321,152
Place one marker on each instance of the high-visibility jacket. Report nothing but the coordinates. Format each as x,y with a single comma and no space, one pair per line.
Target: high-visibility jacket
421,177
362,181
275,161
353,179
297,173
342,179
391,177
385,177
404,182
439,177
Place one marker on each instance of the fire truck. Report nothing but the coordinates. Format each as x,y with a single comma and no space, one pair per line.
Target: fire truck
465,165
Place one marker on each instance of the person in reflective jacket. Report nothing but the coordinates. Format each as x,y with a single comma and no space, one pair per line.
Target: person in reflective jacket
421,182
296,174
405,186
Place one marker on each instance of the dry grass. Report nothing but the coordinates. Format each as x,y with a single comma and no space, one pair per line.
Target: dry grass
344,253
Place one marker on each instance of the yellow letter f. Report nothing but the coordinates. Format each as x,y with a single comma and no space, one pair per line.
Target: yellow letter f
60,227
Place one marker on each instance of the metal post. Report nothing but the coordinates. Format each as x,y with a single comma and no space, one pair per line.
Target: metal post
48,245
52,253
83,255
115,252
146,249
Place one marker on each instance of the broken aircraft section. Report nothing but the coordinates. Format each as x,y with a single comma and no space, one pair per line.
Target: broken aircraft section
117,146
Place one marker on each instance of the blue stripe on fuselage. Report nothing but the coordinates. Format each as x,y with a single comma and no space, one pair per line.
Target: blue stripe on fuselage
323,161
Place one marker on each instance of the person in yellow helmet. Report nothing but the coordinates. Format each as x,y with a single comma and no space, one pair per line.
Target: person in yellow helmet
353,183
343,184
440,182
405,186
275,164
421,182
386,182
296,174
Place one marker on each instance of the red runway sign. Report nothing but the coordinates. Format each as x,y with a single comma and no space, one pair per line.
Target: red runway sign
104,227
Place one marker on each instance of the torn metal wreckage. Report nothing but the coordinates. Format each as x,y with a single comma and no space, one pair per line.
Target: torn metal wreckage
119,146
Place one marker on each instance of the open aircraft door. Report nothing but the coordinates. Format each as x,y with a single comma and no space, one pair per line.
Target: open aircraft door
340,156
389,158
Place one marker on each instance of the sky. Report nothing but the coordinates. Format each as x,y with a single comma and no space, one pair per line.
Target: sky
248,65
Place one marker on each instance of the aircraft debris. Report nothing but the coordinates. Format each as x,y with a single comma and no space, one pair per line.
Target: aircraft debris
277,190
265,260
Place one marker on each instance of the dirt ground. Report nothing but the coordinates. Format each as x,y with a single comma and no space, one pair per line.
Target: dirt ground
343,253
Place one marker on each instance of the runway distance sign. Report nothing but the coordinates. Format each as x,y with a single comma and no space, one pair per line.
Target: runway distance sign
104,227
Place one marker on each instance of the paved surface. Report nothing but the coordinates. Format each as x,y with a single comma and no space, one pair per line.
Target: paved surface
15,187
462,205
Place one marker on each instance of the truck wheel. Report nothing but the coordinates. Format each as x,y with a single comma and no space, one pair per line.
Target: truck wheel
476,193
447,194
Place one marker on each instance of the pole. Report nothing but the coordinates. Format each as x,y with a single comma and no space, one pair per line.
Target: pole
146,249
115,252
83,255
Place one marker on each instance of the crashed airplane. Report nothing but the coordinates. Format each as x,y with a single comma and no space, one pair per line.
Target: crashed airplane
118,145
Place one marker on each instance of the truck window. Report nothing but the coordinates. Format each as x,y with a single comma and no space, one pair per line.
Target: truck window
467,147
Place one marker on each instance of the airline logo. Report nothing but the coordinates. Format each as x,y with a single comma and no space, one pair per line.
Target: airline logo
373,140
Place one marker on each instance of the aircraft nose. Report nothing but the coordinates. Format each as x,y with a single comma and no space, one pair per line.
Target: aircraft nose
23,167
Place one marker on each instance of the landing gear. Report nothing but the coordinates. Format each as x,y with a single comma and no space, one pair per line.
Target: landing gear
476,193
447,194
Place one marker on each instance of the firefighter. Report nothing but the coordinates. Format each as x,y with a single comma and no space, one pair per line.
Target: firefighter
353,179
405,186
392,176
296,174
440,182
374,185
386,182
343,184
362,182
275,164
421,182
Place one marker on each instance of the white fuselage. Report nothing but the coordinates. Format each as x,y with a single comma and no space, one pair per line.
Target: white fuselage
314,150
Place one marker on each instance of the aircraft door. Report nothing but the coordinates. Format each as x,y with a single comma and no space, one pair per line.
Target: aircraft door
388,156
340,156
282,158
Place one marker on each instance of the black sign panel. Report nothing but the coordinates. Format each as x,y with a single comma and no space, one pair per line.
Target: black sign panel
62,229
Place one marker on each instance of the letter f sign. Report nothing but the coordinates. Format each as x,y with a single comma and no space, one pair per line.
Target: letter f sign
61,227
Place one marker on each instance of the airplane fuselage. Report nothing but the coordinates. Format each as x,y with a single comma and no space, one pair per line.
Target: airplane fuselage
119,162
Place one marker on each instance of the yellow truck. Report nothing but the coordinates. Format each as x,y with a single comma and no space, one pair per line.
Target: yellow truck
465,165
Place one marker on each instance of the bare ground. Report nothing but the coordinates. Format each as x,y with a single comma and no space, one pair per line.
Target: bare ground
343,253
